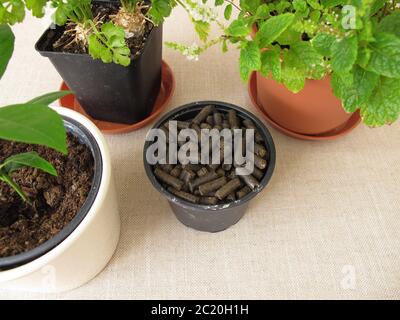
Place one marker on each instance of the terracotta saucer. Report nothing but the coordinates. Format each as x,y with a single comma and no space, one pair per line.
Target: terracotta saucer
166,93
350,125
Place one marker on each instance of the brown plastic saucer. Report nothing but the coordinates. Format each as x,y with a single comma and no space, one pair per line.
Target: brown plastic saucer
343,130
166,93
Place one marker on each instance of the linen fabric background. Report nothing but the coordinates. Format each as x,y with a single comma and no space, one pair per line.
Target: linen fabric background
327,226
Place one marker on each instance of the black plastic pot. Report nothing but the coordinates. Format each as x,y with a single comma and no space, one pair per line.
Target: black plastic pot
219,217
85,137
110,92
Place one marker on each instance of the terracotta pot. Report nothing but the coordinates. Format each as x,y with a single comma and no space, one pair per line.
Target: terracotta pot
314,110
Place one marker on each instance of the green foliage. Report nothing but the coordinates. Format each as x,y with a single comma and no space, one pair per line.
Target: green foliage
238,28
13,11
383,105
23,160
161,9
33,123
109,45
355,42
271,63
390,24
323,42
130,5
250,58
77,11
105,40
272,28
344,54
7,47
28,159
36,6
385,55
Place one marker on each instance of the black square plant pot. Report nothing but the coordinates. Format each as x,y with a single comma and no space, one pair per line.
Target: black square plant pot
110,92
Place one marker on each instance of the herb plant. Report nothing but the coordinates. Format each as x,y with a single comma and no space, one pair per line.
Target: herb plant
104,40
32,122
356,42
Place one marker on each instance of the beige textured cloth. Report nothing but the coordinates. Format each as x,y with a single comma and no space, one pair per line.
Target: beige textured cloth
327,226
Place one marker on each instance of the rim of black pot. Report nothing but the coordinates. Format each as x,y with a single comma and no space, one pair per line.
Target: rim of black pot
85,137
190,107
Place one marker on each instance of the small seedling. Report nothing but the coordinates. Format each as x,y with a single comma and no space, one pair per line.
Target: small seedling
33,123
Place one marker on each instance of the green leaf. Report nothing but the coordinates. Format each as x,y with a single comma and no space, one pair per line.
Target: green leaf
300,5
60,15
263,11
289,36
202,28
384,105
271,63
49,98
250,5
110,30
305,55
364,55
7,40
305,61
364,83
282,5
250,59
33,124
28,159
7,179
37,7
390,24
160,9
376,6
385,56
366,34
293,73
238,28
228,11
293,79
271,29
12,11
340,83
98,51
315,16
314,4
333,3
110,45
323,43
344,54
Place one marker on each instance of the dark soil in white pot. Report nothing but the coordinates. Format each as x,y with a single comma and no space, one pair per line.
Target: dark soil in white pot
55,200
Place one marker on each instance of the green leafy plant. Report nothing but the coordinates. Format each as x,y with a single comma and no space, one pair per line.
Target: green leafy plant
105,40
13,11
355,42
32,122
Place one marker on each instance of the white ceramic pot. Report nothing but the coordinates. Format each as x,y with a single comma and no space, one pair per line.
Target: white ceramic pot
88,248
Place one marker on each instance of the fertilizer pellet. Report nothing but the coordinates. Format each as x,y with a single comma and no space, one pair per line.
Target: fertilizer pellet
212,184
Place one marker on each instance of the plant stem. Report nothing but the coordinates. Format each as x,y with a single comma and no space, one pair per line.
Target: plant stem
233,4
7,179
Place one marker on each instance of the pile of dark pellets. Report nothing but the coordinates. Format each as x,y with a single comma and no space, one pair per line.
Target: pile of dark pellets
213,184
